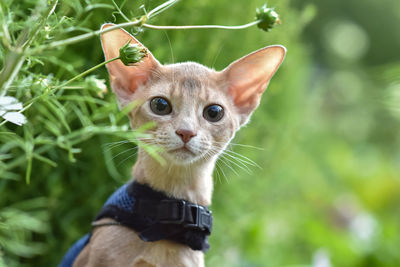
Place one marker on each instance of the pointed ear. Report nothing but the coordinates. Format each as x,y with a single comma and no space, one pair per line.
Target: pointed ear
125,79
247,78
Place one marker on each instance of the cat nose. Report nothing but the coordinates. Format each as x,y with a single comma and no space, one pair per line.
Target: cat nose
185,135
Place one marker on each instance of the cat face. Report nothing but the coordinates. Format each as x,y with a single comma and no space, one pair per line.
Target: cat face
194,120
196,110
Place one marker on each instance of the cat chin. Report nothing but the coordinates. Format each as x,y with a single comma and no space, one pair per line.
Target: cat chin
181,156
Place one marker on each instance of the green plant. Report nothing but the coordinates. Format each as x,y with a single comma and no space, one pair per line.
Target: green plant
326,133
47,116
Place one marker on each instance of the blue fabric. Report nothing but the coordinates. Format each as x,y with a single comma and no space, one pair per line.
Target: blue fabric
74,251
120,206
119,198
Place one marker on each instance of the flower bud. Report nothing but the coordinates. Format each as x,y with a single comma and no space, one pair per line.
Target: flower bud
268,18
130,54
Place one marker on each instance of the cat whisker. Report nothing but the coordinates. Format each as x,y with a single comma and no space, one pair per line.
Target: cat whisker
239,158
247,146
148,141
218,168
222,171
242,158
236,159
216,55
109,146
113,143
123,152
217,171
238,164
241,145
130,156
227,162
170,47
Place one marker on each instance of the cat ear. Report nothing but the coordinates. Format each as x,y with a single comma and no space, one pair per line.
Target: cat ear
125,79
248,77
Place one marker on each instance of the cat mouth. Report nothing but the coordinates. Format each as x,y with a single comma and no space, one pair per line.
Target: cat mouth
183,149
182,153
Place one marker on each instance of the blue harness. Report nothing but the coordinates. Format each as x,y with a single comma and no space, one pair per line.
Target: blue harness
154,216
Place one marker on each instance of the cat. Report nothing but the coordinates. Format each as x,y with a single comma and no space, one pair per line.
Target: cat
196,111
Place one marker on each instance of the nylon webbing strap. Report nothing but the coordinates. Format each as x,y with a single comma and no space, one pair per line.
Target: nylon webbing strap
155,216
175,212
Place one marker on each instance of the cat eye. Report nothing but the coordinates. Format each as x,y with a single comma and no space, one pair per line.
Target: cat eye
213,113
160,106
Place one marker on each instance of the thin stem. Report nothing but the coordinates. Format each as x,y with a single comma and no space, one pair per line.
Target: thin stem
16,56
38,27
6,38
161,8
82,37
51,90
156,27
84,73
85,36
139,22
120,11
13,63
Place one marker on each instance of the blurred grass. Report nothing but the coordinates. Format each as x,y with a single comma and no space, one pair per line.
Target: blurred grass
328,190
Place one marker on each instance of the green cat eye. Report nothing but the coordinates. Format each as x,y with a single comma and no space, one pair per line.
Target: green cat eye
213,113
160,106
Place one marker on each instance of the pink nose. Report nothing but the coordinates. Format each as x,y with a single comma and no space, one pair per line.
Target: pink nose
185,135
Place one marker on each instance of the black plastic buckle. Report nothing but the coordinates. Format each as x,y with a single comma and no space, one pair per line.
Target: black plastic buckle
181,207
203,217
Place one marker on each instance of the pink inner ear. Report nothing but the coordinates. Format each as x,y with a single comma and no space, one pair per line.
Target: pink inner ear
128,77
249,76
249,98
125,79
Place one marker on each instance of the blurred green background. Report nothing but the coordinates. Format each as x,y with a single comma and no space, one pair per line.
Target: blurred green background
326,135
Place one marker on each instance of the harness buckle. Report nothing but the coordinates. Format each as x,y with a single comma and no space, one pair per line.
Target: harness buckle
178,205
202,217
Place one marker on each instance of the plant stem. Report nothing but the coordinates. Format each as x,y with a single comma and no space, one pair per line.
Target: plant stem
139,22
201,26
50,90
161,8
120,11
13,63
83,37
84,73
86,36
16,56
40,25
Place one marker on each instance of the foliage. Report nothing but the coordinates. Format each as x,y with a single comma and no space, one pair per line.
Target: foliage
326,132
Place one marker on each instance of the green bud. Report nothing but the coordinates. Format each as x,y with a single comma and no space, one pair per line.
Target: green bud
268,18
130,54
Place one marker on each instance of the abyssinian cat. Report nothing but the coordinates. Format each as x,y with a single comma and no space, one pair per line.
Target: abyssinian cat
197,111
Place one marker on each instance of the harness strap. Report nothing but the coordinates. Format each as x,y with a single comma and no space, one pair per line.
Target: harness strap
155,216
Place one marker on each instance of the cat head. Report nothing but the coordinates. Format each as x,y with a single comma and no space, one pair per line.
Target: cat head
197,110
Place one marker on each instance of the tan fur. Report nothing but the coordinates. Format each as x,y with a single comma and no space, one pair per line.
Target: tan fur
120,246
187,174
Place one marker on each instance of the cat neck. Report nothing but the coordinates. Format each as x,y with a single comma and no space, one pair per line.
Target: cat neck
189,182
